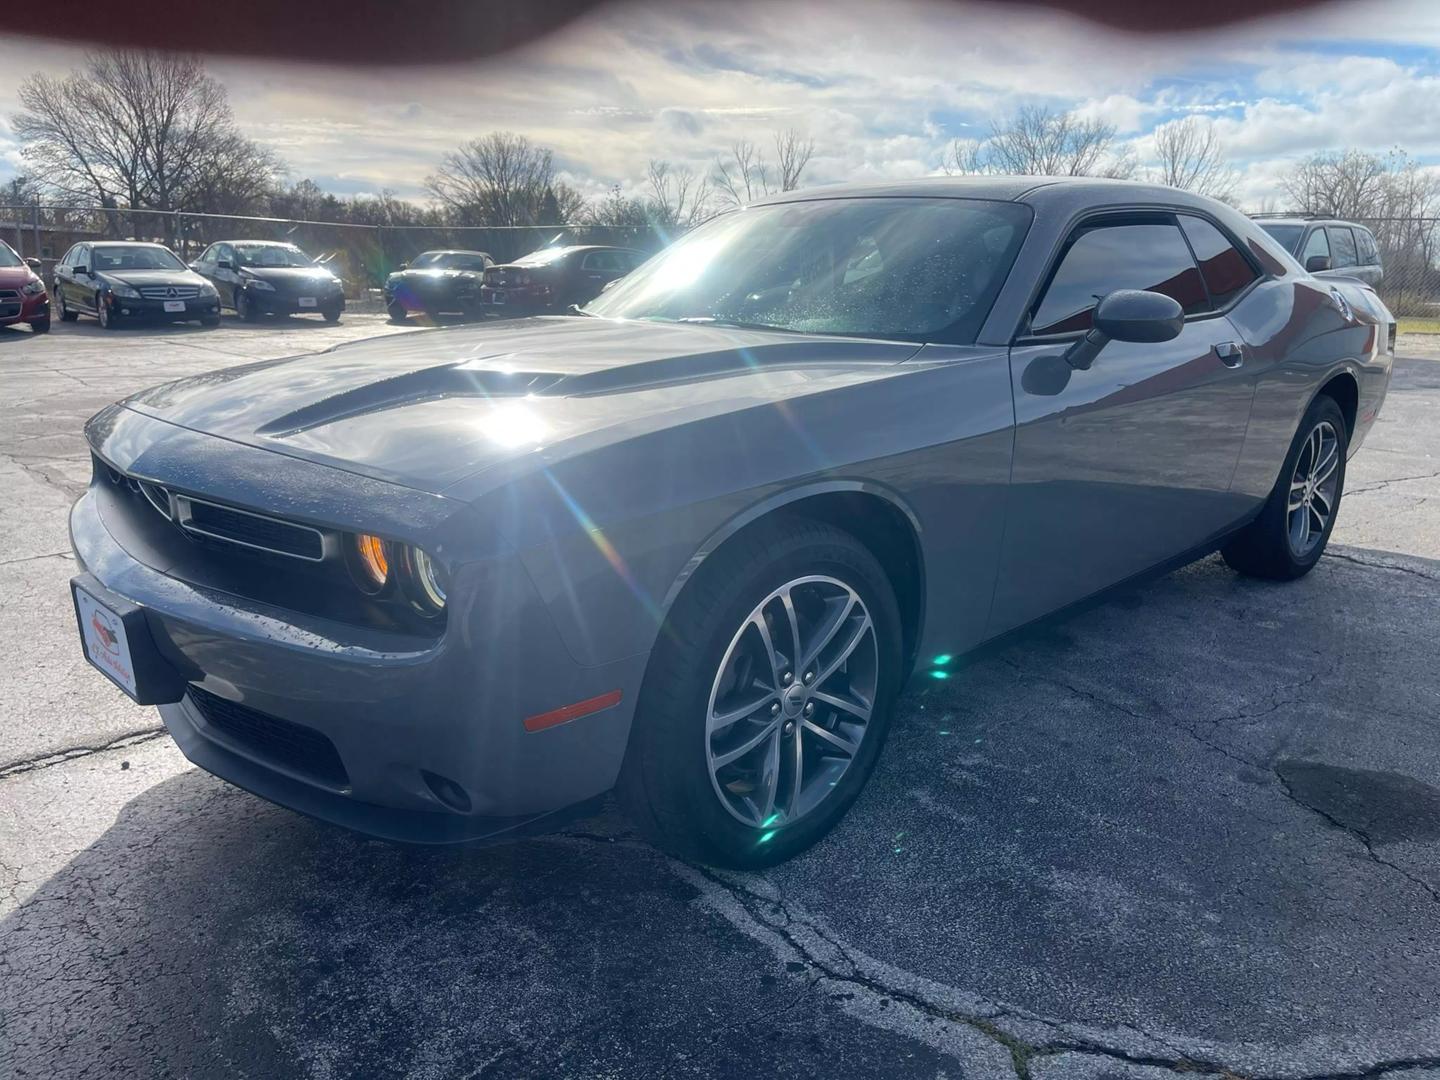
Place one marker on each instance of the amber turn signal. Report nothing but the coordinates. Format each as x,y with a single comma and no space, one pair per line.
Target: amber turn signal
373,560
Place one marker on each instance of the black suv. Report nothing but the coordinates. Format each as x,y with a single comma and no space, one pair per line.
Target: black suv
1328,247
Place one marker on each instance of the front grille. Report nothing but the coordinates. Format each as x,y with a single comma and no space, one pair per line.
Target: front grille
251,530
170,292
10,303
293,746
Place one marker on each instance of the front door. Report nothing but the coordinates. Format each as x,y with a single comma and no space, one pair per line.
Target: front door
1124,465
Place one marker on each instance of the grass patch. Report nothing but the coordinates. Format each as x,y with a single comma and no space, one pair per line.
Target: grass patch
1417,325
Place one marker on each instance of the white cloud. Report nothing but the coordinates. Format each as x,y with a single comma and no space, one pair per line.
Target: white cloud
881,96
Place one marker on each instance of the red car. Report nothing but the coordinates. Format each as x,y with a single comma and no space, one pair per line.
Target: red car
22,294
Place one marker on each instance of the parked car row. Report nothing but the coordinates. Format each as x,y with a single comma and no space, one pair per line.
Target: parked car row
119,282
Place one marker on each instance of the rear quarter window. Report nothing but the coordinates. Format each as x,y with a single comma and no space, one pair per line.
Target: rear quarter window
1342,247
1227,273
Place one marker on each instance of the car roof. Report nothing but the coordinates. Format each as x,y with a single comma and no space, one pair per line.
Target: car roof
453,251
121,243
1058,192
260,243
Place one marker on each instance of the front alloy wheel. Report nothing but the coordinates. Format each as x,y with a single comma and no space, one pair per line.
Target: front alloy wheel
791,701
767,697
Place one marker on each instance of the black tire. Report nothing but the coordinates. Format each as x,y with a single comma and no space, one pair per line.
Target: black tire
665,785
210,321
66,315
1264,548
332,315
245,307
396,312
40,324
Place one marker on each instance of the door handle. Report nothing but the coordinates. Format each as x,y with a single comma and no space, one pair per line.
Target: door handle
1231,353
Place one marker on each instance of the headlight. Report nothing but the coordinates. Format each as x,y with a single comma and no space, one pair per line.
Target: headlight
427,580
371,562
30,288
208,290
119,288
256,283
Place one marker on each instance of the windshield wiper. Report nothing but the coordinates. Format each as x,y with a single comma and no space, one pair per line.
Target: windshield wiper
576,309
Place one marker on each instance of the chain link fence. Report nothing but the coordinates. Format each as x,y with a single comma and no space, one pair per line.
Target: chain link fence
1410,253
360,255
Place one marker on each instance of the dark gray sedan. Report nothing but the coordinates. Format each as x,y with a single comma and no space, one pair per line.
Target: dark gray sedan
691,543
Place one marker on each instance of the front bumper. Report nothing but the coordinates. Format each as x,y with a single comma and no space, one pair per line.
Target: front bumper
200,307
29,307
278,303
394,707
517,298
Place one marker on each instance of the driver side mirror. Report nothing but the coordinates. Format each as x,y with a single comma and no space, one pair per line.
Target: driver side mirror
224,264
1127,315
35,264
402,266
1315,263
82,270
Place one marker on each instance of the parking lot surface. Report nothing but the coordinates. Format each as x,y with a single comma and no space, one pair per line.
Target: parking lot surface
1194,828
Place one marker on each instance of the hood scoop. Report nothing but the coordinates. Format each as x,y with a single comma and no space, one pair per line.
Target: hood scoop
411,388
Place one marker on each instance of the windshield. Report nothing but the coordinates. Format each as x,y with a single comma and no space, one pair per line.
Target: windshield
271,255
451,260
134,257
8,257
910,268
1287,235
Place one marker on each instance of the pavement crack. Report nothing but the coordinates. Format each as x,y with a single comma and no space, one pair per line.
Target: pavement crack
1359,834
1372,564
32,558
60,757
1381,485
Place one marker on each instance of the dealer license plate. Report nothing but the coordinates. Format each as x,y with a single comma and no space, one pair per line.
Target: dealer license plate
307,301
174,305
103,634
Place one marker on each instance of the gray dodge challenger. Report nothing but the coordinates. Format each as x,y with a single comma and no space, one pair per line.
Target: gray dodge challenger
690,542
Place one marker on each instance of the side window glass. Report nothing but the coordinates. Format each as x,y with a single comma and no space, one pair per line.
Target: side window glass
1369,254
1342,244
1225,270
1316,245
1101,260
68,256
601,260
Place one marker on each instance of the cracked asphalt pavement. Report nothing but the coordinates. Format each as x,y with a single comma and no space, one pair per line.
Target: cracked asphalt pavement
1195,828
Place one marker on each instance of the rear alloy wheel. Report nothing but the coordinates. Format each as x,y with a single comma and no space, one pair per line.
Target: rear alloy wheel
1290,535
767,698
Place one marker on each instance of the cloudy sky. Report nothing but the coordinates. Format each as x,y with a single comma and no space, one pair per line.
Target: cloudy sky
882,88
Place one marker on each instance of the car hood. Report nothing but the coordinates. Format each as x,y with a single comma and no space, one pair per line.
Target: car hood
289,275
434,273
432,408
139,278
12,277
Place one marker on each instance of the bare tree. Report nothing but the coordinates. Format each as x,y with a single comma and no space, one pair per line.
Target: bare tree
742,176
502,179
1192,157
792,153
678,198
616,209
1038,142
141,129
1349,184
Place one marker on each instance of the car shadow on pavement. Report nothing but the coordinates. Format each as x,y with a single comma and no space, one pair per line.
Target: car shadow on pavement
1193,821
